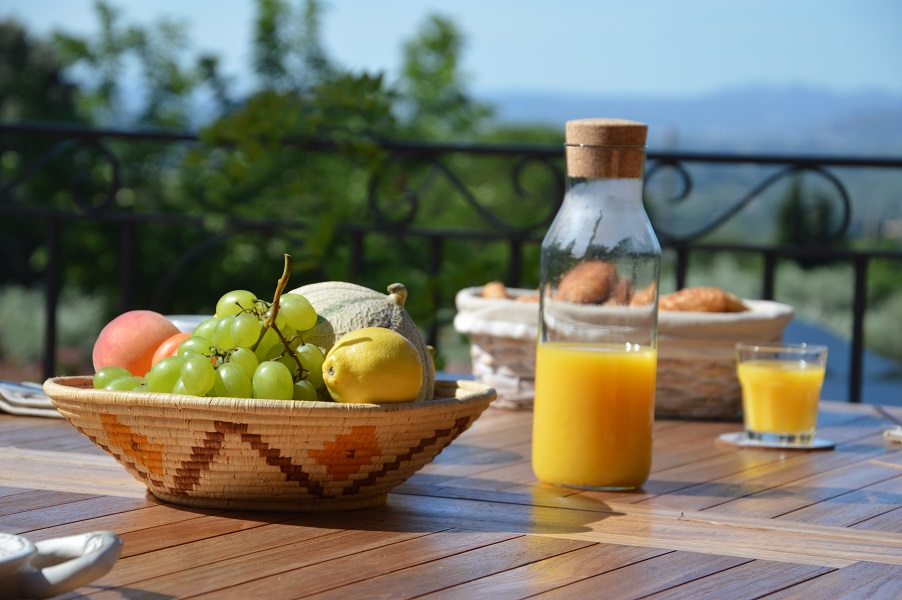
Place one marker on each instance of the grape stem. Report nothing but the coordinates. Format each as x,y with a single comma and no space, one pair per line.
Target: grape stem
274,311
280,285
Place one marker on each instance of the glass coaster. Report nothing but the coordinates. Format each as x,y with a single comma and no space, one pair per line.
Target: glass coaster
741,439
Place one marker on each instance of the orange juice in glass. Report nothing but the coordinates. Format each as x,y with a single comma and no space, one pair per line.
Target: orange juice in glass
593,414
781,387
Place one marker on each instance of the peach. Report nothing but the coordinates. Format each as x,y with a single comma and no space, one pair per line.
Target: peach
130,340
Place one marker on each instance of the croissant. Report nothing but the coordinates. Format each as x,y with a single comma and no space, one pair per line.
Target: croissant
701,299
645,296
590,282
495,290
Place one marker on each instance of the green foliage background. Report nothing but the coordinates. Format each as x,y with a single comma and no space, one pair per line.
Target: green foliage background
258,160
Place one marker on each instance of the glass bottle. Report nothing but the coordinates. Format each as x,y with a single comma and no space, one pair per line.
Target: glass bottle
597,350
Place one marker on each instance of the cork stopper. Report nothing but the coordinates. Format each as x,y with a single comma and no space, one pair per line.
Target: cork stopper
610,148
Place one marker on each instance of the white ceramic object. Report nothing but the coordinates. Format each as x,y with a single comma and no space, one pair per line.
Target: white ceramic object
187,323
51,567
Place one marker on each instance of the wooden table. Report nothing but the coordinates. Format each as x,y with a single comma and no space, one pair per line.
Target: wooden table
713,521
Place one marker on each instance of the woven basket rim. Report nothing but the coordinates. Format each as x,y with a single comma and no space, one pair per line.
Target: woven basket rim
80,388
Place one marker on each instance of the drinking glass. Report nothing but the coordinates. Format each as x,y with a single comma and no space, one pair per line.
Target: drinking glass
781,387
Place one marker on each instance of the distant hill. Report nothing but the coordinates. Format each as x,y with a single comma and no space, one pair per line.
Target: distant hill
761,119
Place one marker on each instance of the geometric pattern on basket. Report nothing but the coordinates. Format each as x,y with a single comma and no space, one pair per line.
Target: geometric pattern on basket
358,448
354,450
139,453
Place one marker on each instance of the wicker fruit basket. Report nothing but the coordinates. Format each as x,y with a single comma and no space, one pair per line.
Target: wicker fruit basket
696,376
268,454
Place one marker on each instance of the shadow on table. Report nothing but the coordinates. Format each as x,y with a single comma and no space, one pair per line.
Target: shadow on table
536,510
463,453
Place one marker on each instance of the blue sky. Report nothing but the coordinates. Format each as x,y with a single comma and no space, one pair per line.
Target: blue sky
661,48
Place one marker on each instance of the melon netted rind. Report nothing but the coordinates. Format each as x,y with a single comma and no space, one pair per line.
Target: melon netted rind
342,307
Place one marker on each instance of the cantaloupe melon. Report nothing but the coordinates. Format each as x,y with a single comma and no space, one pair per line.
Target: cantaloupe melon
343,307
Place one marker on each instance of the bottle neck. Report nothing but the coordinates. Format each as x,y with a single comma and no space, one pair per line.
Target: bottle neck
615,191
604,162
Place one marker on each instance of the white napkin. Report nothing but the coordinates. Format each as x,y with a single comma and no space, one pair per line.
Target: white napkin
26,399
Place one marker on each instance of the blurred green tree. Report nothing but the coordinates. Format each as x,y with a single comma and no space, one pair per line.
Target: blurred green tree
300,148
432,91
32,88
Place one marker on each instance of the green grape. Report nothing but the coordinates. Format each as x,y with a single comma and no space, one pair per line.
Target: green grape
299,313
281,323
232,382
303,390
245,359
196,345
291,364
245,329
273,380
312,358
235,302
288,332
270,339
206,328
222,337
163,375
179,388
124,384
143,388
197,374
274,352
108,374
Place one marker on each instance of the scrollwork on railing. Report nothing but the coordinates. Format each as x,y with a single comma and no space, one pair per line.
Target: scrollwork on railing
801,235
557,193
79,185
407,196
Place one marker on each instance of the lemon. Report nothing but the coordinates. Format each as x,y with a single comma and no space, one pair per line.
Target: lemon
373,365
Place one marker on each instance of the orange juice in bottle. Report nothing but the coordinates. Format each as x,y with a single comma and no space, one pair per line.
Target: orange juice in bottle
596,357
594,413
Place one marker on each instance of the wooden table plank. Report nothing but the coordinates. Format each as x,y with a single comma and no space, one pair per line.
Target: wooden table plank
70,512
762,576
890,522
818,488
202,527
549,574
849,509
143,518
273,550
861,580
228,560
645,578
444,559
28,500
65,471
792,466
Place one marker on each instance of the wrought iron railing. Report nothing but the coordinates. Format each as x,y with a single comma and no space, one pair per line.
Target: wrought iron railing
826,244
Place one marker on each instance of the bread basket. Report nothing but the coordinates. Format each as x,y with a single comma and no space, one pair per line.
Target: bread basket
268,454
696,375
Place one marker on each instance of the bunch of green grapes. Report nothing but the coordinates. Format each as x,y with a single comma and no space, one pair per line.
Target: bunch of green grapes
249,349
